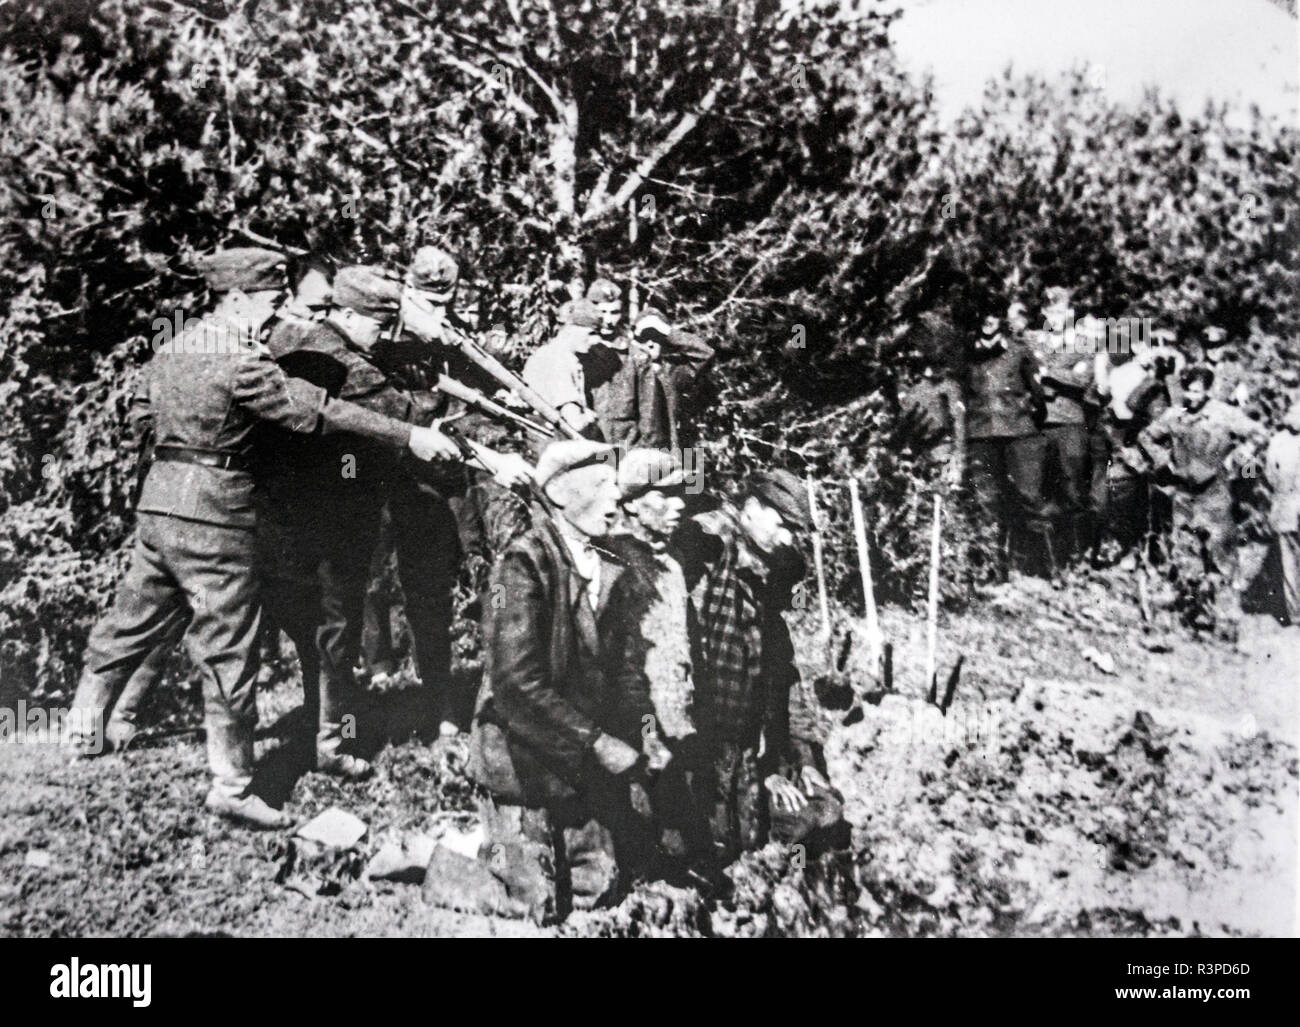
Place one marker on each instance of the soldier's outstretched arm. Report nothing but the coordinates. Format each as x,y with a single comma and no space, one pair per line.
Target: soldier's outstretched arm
262,387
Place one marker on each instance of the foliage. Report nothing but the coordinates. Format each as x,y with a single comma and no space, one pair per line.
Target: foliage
767,174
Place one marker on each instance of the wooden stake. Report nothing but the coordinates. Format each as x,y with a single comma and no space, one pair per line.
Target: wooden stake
819,557
932,611
875,641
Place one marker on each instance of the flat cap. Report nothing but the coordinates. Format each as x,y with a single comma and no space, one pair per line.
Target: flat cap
643,470
249,268
653,325
582,313
566,455
602,290
368,290
785,494
433,270
688,344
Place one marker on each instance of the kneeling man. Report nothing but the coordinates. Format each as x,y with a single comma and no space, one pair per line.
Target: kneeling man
557,736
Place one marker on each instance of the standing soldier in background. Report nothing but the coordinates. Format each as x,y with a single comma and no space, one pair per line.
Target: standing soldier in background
555,369
1066,377
431,510
618,373
1198,448
1005,449
195,552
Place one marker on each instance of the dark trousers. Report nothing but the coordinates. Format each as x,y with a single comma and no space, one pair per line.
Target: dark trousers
317,565
1006,477
1068,460
199,579
433,530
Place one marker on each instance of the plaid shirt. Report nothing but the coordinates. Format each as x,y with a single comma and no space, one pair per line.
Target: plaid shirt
744,661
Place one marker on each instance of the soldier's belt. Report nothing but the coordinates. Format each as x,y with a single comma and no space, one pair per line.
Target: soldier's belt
203,457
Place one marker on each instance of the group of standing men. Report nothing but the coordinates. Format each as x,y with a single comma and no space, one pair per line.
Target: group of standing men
640,709
1087,435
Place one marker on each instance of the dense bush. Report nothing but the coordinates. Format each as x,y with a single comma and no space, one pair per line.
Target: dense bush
770,177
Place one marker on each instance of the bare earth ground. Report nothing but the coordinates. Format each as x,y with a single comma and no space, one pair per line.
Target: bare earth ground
1053,799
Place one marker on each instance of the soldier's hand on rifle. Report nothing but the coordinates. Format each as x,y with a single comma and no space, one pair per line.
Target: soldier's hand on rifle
614,754
578,417
421,318
430,444
785,794
512,470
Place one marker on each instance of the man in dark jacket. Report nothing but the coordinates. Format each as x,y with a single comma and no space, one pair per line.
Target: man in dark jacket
757,734
557,736
207,388
321,507
1005,406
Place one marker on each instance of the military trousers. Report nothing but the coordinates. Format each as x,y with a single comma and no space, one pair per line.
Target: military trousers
187,571
316,565
1006,477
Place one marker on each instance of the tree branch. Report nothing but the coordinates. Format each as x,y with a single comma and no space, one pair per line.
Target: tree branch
598,206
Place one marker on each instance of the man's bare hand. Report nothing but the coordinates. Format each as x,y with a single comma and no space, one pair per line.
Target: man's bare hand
577,417
614,755
512,470
785,794
431,444
812,781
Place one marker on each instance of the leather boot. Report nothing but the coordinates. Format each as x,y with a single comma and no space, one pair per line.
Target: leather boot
230,759
95,694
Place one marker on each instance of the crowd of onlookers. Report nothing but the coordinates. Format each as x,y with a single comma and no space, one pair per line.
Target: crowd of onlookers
1101,440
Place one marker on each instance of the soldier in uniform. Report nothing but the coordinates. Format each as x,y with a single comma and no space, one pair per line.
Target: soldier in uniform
437,517
323,502
555,369
1066,377
1282,468
194,555
1004,405
1197,448
625,386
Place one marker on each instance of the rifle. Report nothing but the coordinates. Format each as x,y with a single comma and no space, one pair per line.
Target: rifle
480,456
473,398
485,360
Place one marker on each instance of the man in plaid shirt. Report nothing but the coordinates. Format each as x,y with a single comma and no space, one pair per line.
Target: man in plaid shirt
756,730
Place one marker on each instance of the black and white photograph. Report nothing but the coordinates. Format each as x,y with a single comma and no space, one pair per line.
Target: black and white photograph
705,469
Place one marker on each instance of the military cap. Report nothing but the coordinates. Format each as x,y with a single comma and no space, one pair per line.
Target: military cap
368,290
643,470
433,270
652,324
582,313
1164,336
602,290
250,268
785,494
565,455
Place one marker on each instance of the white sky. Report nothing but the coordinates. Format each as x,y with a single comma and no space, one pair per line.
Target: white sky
1243,50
